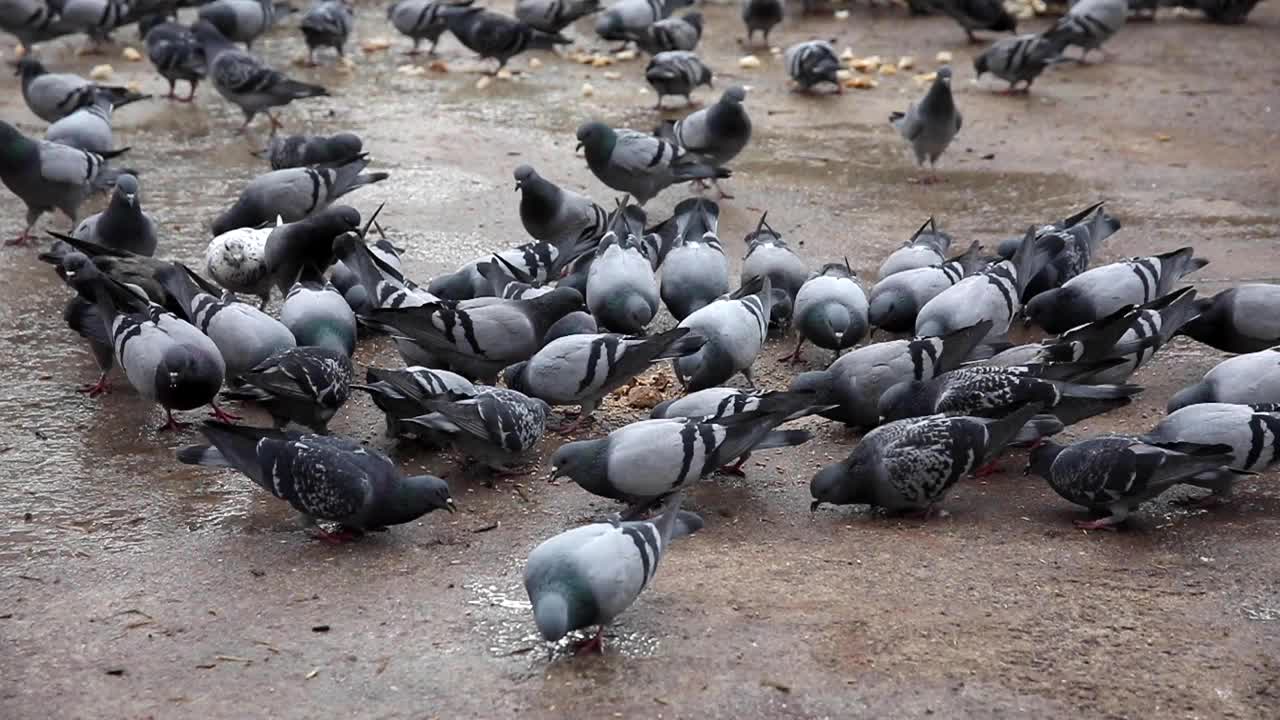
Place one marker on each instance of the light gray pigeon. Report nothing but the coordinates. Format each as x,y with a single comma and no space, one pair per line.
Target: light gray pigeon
734,329
583,369
910,465
293,194
123,225
857,379
422,20
930,125
977,15
494,35
49,176
1087,25
295,151
402,394
926,248
896,300
87,128
768,255
240,20
1244,379
695,272
622,291
554,215
323,477
536,263
245,80
812,63
676,72
1103,290
830,310
326,24
639,164
717,133
317,314
176,54
1114,474
673,33
53,96
95,18
623,19
1252,432
575,323
1018,59
305,385
761,15
589,575
496,426
503,283
1242,319
552,16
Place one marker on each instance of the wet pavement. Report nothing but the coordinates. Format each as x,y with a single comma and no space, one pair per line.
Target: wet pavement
132,586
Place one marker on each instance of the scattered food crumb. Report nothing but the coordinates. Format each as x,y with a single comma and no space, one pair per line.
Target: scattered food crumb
484,82
101,72
588,90
749,62
131,54
906,62
943,57
375,44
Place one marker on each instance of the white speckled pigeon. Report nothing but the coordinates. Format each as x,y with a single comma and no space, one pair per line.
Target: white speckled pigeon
305,385
496,426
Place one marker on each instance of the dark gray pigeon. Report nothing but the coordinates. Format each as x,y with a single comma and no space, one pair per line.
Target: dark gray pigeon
717,133
554,215
1074,242
734,329
177,55
552,16
676,72
123,225
495,426
88,127
1225,12
930,125
403,394
1251,431
82,315
536,263
295,151
33,21
639,164
830,310
1245,379
124,267
317,314
1103,290
323,477
926,248
305,385
673,33
768,255
53,96
977,15
1015,60
575,323
589,575
239,20
761,15
622,291
1087,25
293,194
623,19
1243,319
326,24
812,63
1114,474
695,272
422,20
494,35
896,300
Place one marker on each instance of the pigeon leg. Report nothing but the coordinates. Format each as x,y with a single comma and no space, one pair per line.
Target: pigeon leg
578,422
171,424
99,388
222,415
311,57
595,644
275,123
191,95
751,381
794,357
736,468
337,537
989,469
723,195
173,95
1107,523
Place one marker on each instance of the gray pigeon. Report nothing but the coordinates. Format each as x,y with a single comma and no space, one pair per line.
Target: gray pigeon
977,15
87,128
1103,290
536,263
896,300
239,20
1074,242
909,465
293,194
376,271
638,164
326,24
496,426
590,574
695,272
622,292
622,20
554,215
494,35
583,369
1225,12
124,267
1251,431
768,255
1087,25
33,21
926,248
323,477
930,125
49,176
734,329
717,133
123,225
305,385
673,33
761,15
1243,319
245,80
177,55
422,20
676,72
1114,474
295,151
831,310
812,63
1015,60
317,314
402,394
82,315
1243,379
552,16
856,381
53,96
95,18
575,323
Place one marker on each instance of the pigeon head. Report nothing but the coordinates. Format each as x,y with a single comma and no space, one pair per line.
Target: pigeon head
780,306
827,324
127,189
1058,310
843,483
334,221
626,312
943,75
513,376
582,462
694,19
596,140
735,94
547,309
412,497
186,379
980,67
525,174
29,68
905,400
458,285
551,614
80,272
611,26
1040,459
1200,392
708,367
892,310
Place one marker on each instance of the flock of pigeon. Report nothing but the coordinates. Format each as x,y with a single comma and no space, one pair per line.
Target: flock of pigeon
564,320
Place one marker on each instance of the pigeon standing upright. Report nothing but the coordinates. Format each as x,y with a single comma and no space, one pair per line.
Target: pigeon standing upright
734,329
717,133
813,63
123,225
239,20
930,125
177,55
673,33
1243,319
830,310
640,164
88,128
768,255
695,271
294,194
927,247
1245,379
676,72
761,15
494,35
327,24
82,315
552,16
555,215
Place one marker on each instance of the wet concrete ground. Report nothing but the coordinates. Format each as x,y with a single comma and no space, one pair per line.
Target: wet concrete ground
132,586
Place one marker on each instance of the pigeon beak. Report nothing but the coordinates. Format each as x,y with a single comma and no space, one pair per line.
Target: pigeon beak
258,153
813,506
578,148
71,274
173,378
517,186
131,198
448,505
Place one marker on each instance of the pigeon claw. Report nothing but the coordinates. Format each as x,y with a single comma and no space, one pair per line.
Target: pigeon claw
1106,523
101,387
595,644
222,415
989,469
337,537
170,424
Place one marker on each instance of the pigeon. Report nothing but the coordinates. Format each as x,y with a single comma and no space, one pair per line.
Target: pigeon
992,391
676,72
1087,25
813,63
575,323
734,329
82,315
1114,474
304,384
537,262
1019,59
402,394
1103,290
177,55
1244,379
294,194
504,285
422,20
1225,12
239,20
673,33
1243,319
649,460
583,369
554,215
496,426
717,133
909,465
47,176
123,225
53,96
296,151
856,381
494,35
638,164
552,16
88,128
761,15
122,266
622,20
930,125
831,310
768,255
695,272
326,24
1075,241
896,300
33,21
926,248
167,360
245,80
622,292
317,314
1092,214
330,478
245,335
1252,432
480,342
993,293
590,574
977,15
380,279
96,18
